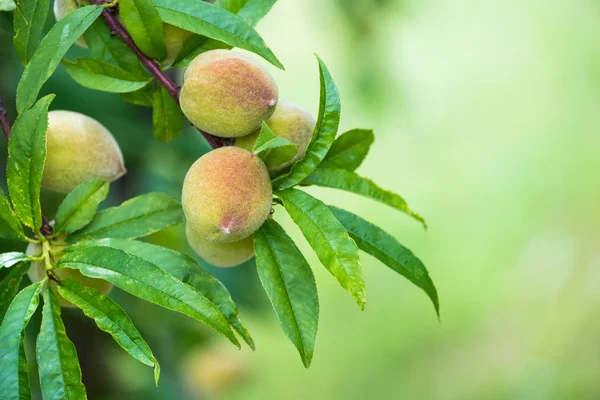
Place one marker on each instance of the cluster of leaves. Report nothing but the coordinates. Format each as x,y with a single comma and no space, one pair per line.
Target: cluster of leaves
101,244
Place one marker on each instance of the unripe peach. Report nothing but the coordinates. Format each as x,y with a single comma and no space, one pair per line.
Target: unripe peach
221,254
79,148
62,8
227,195
174,38
289,121
227,94
37,272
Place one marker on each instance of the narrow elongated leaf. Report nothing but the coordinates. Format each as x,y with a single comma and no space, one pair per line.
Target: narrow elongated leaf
375,241
351,182
148,282
252,11
142,97
137,217
7,5
349,150
10,226
98,75
183,268
7,260
167,117
51,50
25,165
110,318
290,285
79,207
145,26
13,374
323,136
329,239
111,49
211,21
60,374
9,286
273,150
29,19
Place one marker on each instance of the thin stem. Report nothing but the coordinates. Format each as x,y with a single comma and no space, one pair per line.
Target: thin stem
4,122
116,28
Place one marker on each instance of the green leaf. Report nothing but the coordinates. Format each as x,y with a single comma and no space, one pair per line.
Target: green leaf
143,23
51,50
351,182
110,318
329,239
380,244
148,282
323,136
9,286
141,97
7,260
167,117
7,5
98,75
10,226
111,49
183,268
252,11
79,207
25,165
208,20
137,217
29,20
290,285
60,374
13,374
273,150
349,150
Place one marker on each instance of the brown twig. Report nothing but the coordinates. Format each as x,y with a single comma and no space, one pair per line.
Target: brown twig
116,28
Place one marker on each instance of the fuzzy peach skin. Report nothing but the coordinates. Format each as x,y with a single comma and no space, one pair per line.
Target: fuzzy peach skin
221,254
62,8
227,195
227,94
291,122
79,148
37,272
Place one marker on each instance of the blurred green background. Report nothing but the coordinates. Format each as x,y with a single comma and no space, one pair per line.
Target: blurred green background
487,120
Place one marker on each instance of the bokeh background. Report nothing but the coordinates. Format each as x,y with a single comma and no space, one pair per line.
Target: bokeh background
487,120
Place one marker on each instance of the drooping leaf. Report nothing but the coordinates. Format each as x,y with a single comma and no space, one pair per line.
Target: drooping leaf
51,50
110,318
148,282
60,374
329,239
273,150
289,282
111,49
183,268
25,165
29,19
9,286
79,207
137,217
380,244
142,97
10,226
252,11
7,5
143,23
214,22
323,136
98,75
7,260
13,374
349,150
167,117
351,182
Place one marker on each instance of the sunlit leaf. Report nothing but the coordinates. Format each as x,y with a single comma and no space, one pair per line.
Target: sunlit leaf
273,150
167,117
349,150
98,75
7,260
10,226
29,19
7,5
79,207
289,282
329,239
143,23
